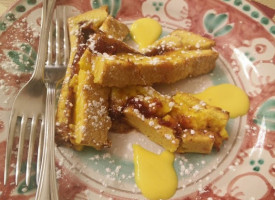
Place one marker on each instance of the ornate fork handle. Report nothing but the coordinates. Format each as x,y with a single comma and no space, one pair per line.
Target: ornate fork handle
50,124
48,190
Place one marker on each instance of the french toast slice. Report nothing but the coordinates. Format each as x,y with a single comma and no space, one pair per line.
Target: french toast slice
195,114
162,135
72,118
198,114
121,70
119,125
64,115
149,101
102,43
196,141
114,28
181,123
177,56
156,103
82,116
178,39
93,19
91,120
139,106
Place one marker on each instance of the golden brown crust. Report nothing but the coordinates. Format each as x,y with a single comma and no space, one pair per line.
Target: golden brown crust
197,115
159,134
120,126
127,69
101,43
91,122
114,28
82,115
178,39
64,115
181,123
196,141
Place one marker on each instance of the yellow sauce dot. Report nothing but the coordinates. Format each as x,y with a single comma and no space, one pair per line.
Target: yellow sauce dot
228,97
145,31
154,174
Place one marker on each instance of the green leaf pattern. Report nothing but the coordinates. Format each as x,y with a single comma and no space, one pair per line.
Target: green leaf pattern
224,30
114,5
22,187
217,24
24,58
266,114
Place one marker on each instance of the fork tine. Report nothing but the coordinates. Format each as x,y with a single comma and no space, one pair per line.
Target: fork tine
57,38
20,147
50,47
12,125
31,148
40,150
66,37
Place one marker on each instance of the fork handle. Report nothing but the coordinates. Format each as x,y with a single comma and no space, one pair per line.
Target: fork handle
47,14
47,187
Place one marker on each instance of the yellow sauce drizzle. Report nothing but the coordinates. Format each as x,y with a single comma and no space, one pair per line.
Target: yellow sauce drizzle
145,31
228,97
154,174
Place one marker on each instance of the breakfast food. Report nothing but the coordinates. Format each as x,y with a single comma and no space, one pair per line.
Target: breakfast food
108,86
178,39
73,119
130,69
181,123
177,56
91,120
114,28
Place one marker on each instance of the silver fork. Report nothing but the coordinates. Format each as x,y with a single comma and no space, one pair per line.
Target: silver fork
54,72
29,105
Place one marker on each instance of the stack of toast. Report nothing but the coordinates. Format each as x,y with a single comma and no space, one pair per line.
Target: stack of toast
108,86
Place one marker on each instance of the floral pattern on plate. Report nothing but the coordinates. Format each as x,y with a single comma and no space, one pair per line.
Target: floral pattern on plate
243,169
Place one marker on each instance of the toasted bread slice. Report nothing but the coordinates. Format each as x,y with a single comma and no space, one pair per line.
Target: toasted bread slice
95,18
159,134
121,70
101,43
196,141
197,115
120,126
192,41
82,115
146,99
81,27
178,39
191,124
190,141
153,102
114,28
64,115
91,121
